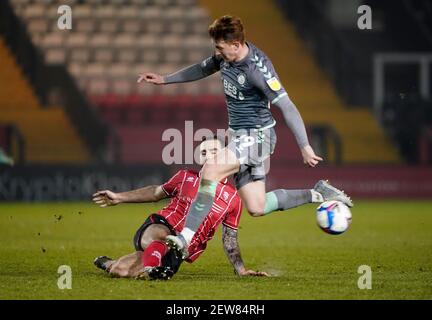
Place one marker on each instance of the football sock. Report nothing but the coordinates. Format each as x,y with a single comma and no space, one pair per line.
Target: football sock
108,264
200,207
282,199
187,234
153,254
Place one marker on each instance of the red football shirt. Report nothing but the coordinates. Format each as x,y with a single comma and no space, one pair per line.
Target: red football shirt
182,189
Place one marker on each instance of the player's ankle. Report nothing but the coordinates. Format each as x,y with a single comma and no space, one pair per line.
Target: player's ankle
108,265
187,234
316,197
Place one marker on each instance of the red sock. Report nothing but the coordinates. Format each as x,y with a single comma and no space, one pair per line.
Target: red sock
153,254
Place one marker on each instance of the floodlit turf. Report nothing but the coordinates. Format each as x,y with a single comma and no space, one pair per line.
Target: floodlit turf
393,237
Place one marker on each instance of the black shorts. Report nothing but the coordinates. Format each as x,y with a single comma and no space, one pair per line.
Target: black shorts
170,259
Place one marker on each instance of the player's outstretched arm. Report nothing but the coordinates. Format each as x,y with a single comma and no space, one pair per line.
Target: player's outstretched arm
295,122
151,77
264,77
192,73
106,198
232,250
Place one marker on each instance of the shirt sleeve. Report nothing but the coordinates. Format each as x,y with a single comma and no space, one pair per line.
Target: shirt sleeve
196,71
264,77
232,219
171,186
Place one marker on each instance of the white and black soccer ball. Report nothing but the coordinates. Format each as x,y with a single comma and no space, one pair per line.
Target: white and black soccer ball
333,217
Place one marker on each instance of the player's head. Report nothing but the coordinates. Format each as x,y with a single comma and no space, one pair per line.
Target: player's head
228,36
209,147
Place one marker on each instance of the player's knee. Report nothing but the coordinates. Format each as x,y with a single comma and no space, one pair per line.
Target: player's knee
256,213
256,210
154,232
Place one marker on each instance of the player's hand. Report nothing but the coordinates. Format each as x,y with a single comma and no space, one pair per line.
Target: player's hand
309,156
253,273
151,78
106,198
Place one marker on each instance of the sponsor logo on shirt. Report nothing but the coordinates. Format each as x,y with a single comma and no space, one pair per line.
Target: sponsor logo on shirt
232,91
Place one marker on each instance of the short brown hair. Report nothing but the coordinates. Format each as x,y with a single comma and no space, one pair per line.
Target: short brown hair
228,29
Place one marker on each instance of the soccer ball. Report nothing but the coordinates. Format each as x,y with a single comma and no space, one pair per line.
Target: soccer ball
333,217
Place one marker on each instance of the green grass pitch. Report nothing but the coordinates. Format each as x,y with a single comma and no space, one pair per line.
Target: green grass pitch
393,237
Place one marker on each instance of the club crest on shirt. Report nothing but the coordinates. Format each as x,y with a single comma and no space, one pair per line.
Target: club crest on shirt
225,196
241,79
274,84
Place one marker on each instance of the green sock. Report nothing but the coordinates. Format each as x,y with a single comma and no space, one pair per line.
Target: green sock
286,199
271,203
202,204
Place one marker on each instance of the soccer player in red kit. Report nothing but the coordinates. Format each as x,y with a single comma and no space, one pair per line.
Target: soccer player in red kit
152,258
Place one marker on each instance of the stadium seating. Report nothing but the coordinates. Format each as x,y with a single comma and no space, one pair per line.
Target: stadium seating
121,35
112,41
48,133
